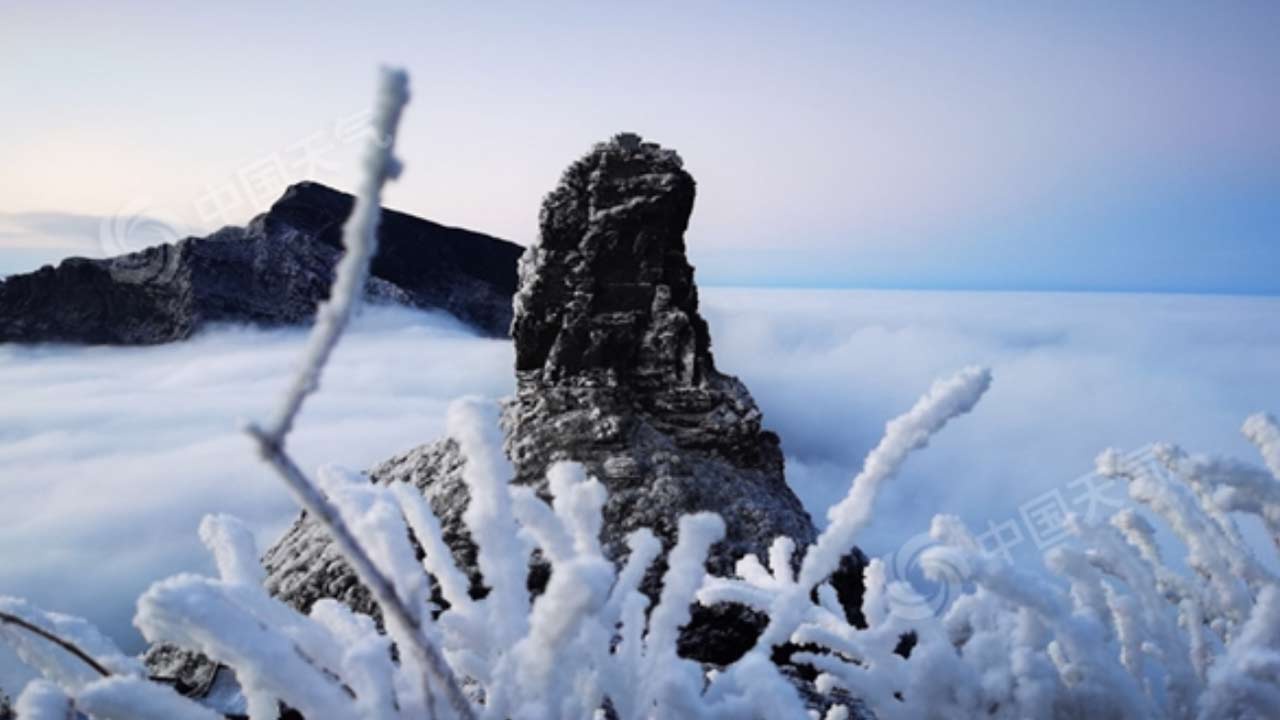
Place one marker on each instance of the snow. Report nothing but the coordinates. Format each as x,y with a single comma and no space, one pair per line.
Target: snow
43,700
231,544
130,698
53,661
1244,683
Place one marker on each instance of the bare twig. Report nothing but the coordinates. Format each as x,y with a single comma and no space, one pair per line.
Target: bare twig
65,644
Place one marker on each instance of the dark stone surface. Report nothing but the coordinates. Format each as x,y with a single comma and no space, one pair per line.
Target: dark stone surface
614,366
273,271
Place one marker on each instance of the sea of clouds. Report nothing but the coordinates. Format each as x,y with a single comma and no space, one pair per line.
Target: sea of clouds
109,457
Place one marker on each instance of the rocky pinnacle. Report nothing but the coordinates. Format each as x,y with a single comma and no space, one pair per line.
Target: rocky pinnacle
614,366
614,370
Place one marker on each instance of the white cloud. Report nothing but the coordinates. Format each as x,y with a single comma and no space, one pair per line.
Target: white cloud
71,232
110,456
1074,374
29,240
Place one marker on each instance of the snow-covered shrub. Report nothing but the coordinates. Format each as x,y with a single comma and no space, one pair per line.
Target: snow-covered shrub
589,639
1123,635
1127,637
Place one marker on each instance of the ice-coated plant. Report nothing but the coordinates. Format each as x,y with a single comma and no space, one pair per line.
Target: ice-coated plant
1122,635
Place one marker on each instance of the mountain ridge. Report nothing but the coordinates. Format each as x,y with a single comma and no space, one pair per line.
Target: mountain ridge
272,271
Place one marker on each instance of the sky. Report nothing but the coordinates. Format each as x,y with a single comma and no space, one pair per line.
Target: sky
109,456
1036,146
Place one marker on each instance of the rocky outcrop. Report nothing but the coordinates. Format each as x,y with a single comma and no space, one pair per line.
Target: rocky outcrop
615,371
614,366
273,271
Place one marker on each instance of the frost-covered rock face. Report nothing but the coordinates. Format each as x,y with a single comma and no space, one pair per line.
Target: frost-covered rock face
305,566
614,370
614,366
273,271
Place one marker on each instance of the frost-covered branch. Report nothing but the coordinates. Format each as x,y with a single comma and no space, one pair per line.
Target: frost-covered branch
406,621
84,672
10,619
360,238
785,598
946,400
66,650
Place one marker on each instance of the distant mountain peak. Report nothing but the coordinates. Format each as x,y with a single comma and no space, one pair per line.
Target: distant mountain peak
273,271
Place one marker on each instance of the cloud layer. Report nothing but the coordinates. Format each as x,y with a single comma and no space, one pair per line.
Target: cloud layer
1074,374
110,456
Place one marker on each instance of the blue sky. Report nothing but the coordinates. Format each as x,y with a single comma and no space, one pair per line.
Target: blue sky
1103,146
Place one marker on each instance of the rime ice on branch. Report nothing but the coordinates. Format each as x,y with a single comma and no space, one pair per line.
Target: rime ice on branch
422,671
